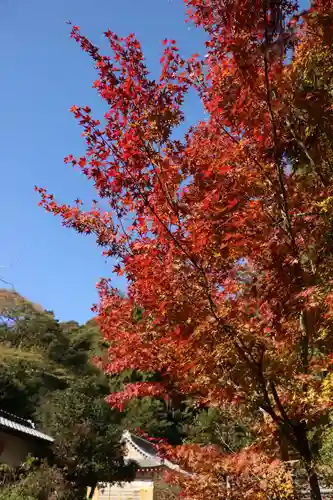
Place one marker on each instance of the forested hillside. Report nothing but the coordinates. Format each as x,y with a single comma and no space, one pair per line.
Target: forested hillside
46,376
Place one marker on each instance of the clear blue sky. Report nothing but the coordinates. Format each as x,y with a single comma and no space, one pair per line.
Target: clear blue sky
43,74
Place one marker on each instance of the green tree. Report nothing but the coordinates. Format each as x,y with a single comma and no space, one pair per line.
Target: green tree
41,482
219,427
87,437
25,376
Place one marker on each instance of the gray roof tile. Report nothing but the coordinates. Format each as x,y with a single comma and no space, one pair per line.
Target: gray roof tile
10,424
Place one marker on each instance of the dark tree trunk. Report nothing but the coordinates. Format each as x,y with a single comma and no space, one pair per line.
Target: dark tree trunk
92,491
313,482
284,446
303,446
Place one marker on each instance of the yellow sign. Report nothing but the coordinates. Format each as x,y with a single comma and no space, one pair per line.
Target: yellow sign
146,494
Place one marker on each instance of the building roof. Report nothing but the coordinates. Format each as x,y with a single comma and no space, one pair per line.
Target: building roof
22,426
144,453
141,451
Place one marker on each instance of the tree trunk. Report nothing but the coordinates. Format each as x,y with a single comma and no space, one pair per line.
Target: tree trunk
303,446
92,491
313,482
284,446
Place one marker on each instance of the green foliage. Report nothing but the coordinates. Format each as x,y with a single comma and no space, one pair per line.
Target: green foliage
46,483
27,327
155,418
25,376
87,438
46,374
326,451
14,494
214,426
30,481
85,339
38,354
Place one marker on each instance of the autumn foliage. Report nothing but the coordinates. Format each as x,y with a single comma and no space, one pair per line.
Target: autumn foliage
225,237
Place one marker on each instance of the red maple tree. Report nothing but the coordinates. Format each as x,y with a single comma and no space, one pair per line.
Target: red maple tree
225,238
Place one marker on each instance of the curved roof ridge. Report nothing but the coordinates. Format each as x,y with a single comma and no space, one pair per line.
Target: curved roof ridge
154,458
128,436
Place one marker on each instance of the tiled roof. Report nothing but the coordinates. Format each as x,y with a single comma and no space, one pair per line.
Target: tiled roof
20,425
147,453
144,449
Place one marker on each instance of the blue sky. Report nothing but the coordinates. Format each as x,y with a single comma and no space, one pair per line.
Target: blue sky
43,74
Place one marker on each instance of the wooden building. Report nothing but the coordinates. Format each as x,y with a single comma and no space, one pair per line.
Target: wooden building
19,438
149,473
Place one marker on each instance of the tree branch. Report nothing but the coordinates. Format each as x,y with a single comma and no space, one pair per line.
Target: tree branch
279,168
